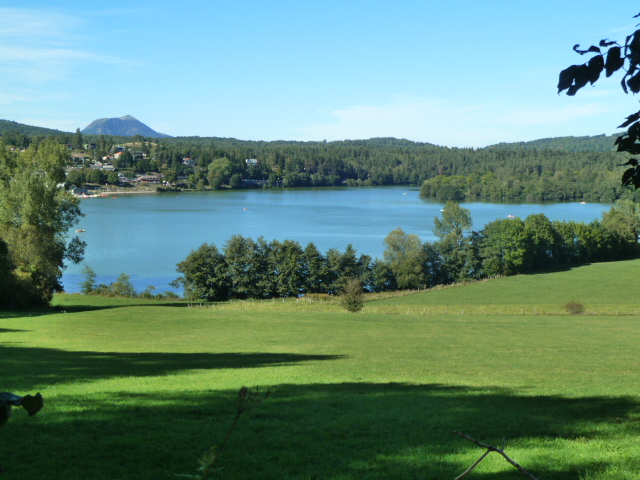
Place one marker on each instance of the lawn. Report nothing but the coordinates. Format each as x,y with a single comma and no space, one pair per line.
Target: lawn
139,390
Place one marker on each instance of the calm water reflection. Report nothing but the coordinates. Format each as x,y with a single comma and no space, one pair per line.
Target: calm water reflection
146,235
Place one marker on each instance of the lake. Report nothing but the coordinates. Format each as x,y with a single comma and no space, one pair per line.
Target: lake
145,236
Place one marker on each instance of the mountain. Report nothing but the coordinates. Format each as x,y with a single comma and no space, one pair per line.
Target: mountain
597,143
11,126
126,126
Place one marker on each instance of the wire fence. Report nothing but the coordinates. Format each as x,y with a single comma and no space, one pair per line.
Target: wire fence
333,304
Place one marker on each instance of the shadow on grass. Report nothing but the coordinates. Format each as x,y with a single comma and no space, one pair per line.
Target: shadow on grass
57,309
28,368
330,432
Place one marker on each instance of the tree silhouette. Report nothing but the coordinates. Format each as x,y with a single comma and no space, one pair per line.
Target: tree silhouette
611,56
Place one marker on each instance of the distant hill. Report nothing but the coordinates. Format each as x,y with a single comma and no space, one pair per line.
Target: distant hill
597,143
126,126
10,126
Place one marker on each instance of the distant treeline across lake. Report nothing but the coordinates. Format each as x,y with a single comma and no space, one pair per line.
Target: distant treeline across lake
145,236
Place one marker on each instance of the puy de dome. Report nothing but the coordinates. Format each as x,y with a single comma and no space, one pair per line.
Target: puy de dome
126,126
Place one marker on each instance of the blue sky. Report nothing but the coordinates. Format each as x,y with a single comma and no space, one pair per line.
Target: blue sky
456,73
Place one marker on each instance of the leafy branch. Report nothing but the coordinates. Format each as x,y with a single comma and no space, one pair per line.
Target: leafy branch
610,56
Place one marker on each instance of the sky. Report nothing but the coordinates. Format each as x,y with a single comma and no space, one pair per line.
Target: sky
462,73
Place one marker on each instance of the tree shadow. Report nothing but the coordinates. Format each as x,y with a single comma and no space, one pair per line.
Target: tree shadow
58,309
29,368
322,431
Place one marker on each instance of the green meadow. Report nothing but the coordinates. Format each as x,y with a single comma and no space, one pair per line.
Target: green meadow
139,389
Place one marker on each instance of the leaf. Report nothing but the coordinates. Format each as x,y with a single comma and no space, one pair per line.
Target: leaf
33,403
634,45
591,49
634,131
565,79
607,43
630,119
595,65
624,144
582,76
634,83
614,61
627,177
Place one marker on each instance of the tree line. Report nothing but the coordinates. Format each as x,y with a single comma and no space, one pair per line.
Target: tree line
563,169
246,268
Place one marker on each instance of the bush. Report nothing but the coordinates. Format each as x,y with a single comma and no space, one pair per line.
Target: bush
352,298
575,308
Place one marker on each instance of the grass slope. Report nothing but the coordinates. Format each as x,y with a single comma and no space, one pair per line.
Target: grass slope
139,389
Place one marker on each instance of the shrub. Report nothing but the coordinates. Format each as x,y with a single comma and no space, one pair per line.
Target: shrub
352,298
574,308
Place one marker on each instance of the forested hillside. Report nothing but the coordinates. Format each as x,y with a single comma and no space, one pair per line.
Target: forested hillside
597,143
560,169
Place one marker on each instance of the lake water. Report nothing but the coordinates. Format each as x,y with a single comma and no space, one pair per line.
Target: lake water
145,236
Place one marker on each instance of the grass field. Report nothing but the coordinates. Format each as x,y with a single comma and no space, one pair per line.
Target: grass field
140,390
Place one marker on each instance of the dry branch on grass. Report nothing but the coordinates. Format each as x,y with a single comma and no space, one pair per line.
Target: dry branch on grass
490,449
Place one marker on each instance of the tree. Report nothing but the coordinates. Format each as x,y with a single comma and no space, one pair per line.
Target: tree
204,274
239,255
405,256
112,178
8,281
314,269
77,177
542,242
96,176
287,259
624,217
123,286
89,284
36,214
352,298
77,139
453,249
455,221
219,172
609,57
503,247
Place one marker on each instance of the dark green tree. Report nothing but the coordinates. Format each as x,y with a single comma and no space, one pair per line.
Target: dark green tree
503,247
204,274
315,271
543,243
96,176
288,272
78,143
77,177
